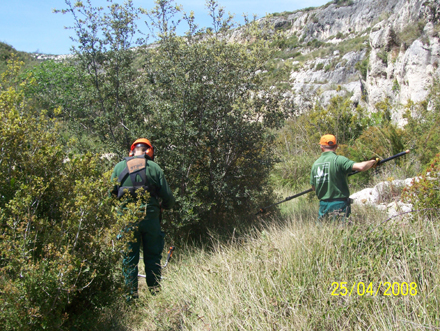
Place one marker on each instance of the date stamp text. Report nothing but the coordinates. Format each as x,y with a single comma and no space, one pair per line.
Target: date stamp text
361,289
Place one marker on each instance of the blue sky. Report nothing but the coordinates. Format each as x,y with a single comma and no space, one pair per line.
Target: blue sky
30,25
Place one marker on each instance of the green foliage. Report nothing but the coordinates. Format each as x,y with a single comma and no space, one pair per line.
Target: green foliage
278,72
108,102
58,224
396,86
423,123
376,141
315,43
411,32
362,66
352,44
298,142
203,102
62,85
319,66
7,52
343,3
383,55
287,13
296,152
424,193
283,26
383,113
212,114
286,43
338,119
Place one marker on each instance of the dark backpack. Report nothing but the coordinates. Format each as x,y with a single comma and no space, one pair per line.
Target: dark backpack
135,169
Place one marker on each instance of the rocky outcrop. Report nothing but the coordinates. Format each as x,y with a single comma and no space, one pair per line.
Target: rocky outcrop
385,196
402,45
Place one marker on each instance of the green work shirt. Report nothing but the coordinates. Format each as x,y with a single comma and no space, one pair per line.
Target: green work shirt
156,179
329,176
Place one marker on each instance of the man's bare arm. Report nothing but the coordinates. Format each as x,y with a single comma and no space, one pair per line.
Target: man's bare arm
363,166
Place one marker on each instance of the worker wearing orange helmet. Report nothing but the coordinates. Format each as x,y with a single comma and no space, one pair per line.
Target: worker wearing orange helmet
329,178
135,172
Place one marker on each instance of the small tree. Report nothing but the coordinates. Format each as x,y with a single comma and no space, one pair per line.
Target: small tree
112,105
213,112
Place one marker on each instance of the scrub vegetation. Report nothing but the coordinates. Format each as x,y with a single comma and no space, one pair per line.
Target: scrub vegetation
6,53
229,144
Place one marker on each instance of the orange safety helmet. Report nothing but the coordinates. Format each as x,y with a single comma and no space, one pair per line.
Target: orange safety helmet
143,141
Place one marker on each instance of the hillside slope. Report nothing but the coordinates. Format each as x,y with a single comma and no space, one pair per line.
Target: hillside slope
301,276
371,49
6,52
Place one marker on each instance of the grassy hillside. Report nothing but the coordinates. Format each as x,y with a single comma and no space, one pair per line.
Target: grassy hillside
6,52
289,277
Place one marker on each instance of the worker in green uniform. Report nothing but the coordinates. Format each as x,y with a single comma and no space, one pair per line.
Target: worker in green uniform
329,178
133,173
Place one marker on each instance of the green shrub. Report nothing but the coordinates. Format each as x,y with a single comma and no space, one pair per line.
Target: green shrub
315,43
343,3
396,86
319,66
383,55
297,143
58,225
424,193
7,52
411,32
285,43
362,66
423,123
217,157
376,141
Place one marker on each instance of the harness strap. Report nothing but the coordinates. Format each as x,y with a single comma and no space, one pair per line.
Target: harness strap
135,167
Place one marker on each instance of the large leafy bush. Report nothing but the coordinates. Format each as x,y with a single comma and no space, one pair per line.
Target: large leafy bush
212,120
57,222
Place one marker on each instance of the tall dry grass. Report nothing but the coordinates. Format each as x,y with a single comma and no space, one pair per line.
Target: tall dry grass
282,278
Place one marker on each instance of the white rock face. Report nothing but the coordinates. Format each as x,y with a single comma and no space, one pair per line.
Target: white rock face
400,68
52,57
379,194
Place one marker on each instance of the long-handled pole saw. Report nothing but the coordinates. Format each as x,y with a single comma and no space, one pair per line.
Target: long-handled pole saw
263,210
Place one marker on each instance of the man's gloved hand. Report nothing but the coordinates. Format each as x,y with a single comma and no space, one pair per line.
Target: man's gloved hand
377,160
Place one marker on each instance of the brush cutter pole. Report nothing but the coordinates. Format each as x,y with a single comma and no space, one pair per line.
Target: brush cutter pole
263,210
385,160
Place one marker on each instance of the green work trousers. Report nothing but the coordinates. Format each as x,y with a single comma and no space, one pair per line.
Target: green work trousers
334,210
149,234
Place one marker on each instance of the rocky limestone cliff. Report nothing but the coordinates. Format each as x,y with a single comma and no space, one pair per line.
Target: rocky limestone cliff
402,52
